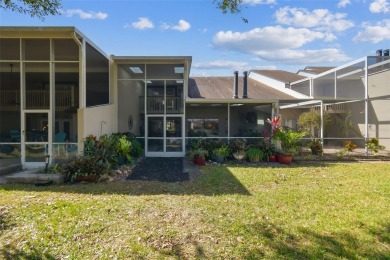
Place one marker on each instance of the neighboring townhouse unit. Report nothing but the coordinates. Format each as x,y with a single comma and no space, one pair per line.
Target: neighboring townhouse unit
57,87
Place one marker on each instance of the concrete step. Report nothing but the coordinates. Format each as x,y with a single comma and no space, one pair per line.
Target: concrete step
32,177
10,169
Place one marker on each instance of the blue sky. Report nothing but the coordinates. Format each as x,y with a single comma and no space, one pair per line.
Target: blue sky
287,35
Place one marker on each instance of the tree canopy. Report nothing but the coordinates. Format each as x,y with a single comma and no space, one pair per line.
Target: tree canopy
232,6
34,8
43,8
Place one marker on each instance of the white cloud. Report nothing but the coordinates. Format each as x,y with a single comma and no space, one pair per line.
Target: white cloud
278,44
267,38
318,18
304,56
86,15
258,2
380,6
182,26
142,24
220,64
374,32
343,3
269,67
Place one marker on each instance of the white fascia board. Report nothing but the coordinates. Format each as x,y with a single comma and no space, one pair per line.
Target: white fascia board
339,68
229,101
306,74
305,103
276,84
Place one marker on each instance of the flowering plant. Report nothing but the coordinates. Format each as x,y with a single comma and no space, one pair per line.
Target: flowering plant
275,124
289,139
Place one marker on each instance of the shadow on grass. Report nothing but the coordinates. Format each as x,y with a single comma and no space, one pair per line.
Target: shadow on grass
9,252
216,180
308,244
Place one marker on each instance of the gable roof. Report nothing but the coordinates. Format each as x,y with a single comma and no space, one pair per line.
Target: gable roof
222,88
280,75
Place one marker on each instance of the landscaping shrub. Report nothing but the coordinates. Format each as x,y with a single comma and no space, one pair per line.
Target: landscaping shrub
85,166
374,146
103,155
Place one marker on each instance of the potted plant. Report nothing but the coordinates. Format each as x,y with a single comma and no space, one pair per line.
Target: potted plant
198,156
254,154
290,143
239,155
220,153
315,146
123,148
238,146
268,150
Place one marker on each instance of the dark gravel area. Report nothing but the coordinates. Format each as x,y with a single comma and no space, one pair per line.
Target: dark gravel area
160,169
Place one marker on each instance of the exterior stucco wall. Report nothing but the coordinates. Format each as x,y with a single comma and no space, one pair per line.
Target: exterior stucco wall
96,121
379,105
129,103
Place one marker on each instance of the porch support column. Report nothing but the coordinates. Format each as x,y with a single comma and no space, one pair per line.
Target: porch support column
322,124
51,115
228,122
366,105
335,84
275,112
82,96
22,104
82,75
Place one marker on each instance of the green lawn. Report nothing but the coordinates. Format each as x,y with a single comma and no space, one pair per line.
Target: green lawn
329,211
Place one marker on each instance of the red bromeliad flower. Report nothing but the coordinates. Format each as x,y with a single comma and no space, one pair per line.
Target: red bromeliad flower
275,125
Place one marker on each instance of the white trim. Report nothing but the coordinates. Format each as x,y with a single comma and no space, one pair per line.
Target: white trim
276,84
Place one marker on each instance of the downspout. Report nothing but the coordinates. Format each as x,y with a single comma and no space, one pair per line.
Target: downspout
76,39
82,86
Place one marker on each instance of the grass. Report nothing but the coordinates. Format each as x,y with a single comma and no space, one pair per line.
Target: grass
328,211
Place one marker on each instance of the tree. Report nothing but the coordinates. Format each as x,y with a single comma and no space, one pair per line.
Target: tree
310,121
232,6
34,8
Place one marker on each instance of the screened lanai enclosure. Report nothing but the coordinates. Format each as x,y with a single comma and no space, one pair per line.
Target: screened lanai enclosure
40,94
352,101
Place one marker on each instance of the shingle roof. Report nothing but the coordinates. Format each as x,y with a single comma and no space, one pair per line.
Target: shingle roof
280,75
222,88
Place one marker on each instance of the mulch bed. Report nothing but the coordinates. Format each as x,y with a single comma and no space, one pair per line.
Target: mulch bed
159,169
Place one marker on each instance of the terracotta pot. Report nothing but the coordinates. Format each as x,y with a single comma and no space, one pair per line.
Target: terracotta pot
285,158
272,158
199,160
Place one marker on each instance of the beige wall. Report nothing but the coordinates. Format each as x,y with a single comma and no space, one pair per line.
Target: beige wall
129,93
96,121
379,107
